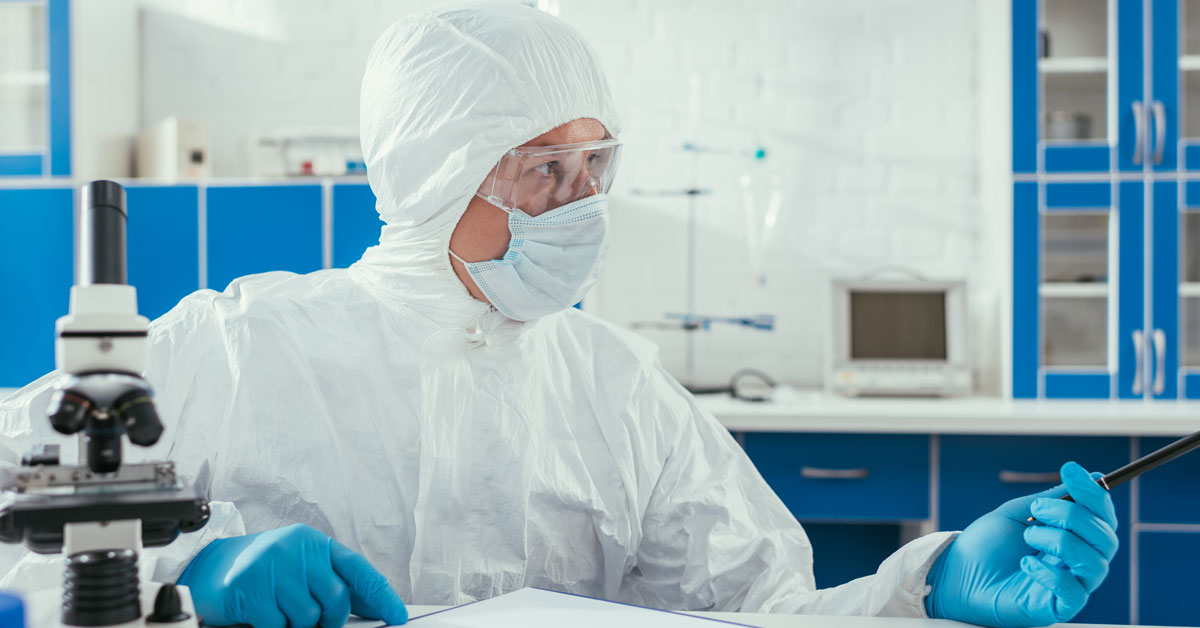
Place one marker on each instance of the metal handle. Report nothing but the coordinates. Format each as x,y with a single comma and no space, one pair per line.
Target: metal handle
834,474
1139,132
1160,130
1160,354
1020,477
1139,356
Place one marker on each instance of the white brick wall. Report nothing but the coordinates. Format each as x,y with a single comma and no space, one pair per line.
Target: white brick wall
868,110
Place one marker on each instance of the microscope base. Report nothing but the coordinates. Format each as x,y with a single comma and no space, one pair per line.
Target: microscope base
44,609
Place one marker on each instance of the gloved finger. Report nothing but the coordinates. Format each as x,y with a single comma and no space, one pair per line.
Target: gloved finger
1085,491
1068,593
1081,559
265,616
370,594
300,609
331,593
1080,521
1018,509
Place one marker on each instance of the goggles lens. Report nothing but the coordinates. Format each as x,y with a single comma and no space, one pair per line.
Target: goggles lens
536,179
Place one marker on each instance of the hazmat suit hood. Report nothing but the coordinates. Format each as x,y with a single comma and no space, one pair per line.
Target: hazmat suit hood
446,93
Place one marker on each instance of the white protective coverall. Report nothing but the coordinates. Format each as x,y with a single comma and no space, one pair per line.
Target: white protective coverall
464,454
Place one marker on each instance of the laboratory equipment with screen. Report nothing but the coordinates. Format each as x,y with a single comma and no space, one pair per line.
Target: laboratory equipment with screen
901,338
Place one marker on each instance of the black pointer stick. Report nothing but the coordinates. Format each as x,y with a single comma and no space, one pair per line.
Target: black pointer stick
1145,463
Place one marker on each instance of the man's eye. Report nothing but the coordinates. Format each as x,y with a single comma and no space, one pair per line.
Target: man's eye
547,168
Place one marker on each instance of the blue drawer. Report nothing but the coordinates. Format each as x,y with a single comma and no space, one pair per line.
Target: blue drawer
978,473
1168,569
1169,494
846,477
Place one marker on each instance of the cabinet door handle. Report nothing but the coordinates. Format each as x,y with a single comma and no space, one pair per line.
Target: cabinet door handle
1020,477
815,473
1160,359
1160,130
1139,358
1139,132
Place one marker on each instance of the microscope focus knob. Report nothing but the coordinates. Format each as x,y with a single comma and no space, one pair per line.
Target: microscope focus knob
168,607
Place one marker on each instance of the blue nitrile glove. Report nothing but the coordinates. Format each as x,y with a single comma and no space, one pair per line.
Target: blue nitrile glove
294,576
1005,572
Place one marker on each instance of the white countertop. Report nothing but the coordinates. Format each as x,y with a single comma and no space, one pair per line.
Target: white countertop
798,411
774,621
794,411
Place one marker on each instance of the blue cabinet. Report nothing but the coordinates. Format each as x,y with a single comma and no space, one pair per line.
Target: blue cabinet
978,473
1164,597
38,234
1078,102
260,228
1171,493
163,245
246,229
1106,299
356,224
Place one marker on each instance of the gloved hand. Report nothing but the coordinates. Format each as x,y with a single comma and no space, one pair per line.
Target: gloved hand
294,577
1005,572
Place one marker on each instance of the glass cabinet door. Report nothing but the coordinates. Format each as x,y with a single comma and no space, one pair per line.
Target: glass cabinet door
1077,85
1078,289
35,125
1076,236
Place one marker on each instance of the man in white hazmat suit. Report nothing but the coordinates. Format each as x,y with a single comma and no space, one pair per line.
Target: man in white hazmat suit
451,419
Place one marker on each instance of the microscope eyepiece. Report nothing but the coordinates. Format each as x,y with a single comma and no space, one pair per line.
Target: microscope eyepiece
102,218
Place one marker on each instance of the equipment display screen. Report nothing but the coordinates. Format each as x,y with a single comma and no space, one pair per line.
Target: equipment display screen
897,325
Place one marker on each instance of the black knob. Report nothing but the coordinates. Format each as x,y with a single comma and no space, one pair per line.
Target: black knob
136,412
68,411
168,607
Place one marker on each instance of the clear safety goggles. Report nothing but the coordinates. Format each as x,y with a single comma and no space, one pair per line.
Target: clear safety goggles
536,179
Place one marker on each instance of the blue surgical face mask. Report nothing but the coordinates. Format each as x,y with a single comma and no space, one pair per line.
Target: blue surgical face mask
552,260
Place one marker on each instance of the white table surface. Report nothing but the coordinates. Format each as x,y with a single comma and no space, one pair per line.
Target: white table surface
798,411
778,621
794,411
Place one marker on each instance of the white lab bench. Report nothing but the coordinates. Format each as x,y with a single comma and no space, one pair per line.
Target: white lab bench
818,412
776,621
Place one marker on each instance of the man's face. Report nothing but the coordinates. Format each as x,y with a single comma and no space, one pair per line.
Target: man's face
482,232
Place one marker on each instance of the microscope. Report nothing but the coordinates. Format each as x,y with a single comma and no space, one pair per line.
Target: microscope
100,513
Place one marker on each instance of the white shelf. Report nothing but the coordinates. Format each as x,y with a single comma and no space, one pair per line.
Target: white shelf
1189,289
818,412
28,77
1073,65
1189,63
1074,290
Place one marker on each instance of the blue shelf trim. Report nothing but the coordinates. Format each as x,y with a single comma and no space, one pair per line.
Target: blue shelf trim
59,17
1164,78
1129,79
1191,194
1025,85
1165,298
1077,158
1026,265
1131,279
1191,156
1079,195
1191,385
21,165
1078,385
